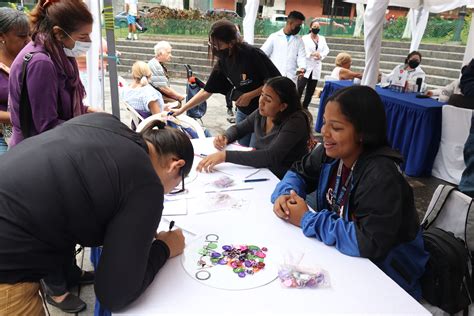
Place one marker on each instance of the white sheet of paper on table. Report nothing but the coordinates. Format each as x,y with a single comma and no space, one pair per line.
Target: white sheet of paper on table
175,207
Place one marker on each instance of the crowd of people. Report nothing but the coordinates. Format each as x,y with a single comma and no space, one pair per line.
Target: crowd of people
51,200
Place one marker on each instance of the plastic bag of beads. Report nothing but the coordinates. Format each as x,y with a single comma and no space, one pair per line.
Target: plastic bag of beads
294,274
303,277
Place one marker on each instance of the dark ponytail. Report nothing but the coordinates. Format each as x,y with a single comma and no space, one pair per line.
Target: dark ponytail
169,141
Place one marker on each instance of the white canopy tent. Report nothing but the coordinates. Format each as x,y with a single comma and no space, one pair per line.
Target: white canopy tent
373,22
95,84
251,10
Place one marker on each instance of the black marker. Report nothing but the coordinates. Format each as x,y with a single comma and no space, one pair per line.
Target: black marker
171,225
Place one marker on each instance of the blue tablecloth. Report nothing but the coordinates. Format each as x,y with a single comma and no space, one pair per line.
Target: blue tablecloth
413,125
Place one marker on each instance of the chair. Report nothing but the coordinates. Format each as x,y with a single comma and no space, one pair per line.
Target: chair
136,117
183,120
449,162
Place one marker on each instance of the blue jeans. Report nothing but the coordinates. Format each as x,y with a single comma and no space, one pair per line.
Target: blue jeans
249,139
3,146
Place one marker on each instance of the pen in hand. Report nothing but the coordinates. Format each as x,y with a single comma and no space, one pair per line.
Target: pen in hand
171,225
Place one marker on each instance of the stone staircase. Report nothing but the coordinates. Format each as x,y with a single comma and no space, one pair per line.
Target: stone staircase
442,63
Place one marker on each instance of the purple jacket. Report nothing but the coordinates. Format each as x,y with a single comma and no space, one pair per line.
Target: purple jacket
49,93
3,91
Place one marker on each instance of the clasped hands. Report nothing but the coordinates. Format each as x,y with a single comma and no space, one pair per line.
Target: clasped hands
290,208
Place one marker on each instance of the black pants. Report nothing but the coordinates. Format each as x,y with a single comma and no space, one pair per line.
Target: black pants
310,85
228,100
58,282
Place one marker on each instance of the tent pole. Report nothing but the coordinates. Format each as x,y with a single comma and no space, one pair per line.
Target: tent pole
111,56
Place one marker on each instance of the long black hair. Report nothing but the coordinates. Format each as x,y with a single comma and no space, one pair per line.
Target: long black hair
169,141
225,31
285,88
362,106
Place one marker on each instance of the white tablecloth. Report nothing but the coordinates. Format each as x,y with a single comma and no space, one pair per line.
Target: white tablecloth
357,285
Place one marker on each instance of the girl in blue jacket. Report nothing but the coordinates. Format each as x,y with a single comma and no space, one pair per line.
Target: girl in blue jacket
365,206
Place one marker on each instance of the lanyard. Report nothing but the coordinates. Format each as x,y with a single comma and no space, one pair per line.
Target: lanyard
337,196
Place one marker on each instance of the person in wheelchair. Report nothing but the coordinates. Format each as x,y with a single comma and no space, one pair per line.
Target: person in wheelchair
160,79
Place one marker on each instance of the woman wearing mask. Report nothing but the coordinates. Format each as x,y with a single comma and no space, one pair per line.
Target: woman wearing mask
241,69
60,32
316,50
100,202
53,94
14,35
412,66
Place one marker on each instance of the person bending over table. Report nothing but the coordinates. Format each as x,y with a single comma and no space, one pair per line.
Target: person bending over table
365,206
241,70
91,181
282,130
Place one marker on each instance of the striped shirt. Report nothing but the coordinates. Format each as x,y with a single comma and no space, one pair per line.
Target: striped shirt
158,74
140,98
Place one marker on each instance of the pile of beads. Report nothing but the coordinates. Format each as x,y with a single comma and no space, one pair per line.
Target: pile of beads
243,259
292,278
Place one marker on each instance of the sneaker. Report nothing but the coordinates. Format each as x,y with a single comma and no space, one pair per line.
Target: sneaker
128,38
135,37
230,112
231,120
87,277
71,304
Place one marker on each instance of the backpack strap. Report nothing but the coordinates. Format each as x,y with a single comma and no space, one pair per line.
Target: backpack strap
26,116
443,196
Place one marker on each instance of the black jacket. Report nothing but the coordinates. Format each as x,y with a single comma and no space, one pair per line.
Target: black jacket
89,181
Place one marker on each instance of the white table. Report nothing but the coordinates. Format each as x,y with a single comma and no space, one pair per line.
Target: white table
357,285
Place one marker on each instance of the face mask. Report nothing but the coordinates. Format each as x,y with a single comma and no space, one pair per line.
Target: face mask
222,53
296,30
413,63
79,49
315,31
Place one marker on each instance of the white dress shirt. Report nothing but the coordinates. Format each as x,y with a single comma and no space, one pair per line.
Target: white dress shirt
314,65
288,55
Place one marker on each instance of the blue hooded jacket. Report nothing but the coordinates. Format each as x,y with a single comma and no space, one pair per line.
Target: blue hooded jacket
379,220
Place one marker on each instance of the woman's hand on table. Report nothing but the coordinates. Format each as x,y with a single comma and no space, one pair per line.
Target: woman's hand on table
174,239
207,163
280,207
297,206
220,142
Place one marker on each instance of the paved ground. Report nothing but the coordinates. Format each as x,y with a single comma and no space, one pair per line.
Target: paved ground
215,121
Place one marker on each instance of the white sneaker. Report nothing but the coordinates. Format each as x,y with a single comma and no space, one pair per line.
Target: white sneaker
135,36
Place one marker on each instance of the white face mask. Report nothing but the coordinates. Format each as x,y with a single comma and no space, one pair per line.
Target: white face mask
79,49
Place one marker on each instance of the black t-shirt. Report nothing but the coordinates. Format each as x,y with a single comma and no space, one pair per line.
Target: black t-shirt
89,181
246,71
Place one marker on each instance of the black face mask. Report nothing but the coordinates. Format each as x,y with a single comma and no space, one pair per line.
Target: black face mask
315,31
413,63
221,53
296,30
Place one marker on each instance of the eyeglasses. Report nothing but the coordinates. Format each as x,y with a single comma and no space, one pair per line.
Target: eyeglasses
212,46
177,190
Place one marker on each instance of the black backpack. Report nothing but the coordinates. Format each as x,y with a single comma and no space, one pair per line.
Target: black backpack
446,282
449,238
